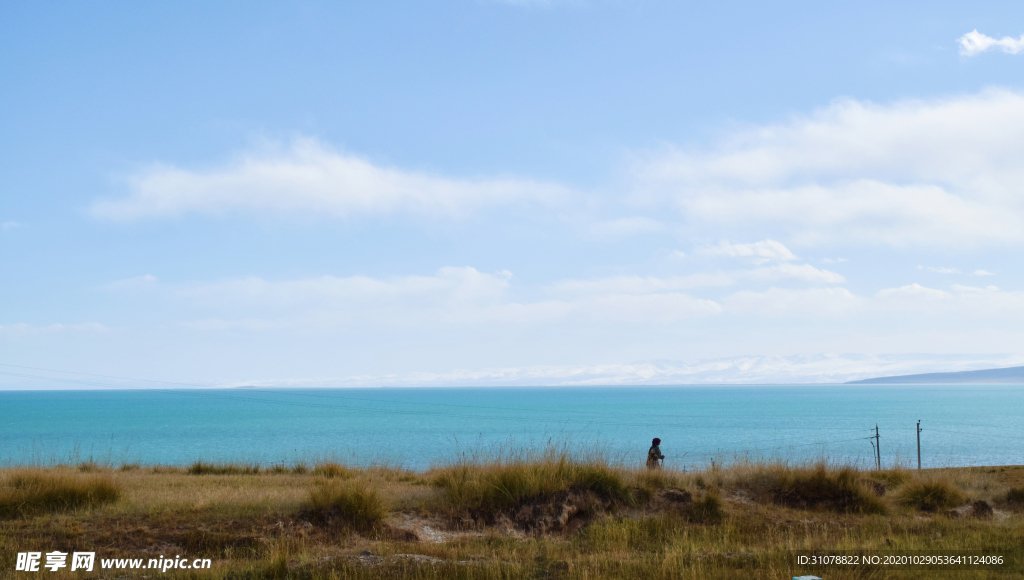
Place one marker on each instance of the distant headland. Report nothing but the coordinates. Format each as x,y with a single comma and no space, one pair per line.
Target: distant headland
986,376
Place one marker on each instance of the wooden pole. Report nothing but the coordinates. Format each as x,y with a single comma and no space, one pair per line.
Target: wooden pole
878,448
919,445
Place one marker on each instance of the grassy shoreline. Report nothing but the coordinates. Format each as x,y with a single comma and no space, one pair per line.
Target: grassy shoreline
548,516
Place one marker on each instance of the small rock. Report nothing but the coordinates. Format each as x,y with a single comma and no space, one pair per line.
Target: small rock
367,553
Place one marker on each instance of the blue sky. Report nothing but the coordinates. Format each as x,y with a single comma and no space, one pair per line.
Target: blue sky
486,192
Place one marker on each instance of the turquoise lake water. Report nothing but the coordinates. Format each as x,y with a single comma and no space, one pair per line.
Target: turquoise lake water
416,427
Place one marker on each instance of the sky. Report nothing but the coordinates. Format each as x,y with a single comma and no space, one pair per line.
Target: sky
509,192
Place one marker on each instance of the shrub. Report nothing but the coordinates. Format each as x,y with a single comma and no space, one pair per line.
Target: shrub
204,468
489,488
1015,496
347,503
817,487
333,470
931,496
300,469
34,493
706,510
648,483
128,467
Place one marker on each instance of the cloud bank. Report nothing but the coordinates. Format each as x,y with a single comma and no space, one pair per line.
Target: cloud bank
822,368
940,173
312,178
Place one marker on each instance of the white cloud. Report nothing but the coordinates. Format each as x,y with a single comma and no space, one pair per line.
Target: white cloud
943,172
974,43
450,296
974,289
311,178
651,284
963,301
798,303
833,260
759,252
447,284
904,302
8,226
804,272
989,301
913,293
983,273
939,270
641,285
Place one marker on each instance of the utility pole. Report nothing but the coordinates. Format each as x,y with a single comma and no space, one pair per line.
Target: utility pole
919,445
878,448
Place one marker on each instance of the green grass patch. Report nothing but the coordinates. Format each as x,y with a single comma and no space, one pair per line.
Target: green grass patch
26,494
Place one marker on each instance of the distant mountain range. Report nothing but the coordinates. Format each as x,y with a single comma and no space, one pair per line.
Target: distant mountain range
1007,375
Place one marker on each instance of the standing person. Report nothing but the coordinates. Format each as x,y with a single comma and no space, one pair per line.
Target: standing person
654,454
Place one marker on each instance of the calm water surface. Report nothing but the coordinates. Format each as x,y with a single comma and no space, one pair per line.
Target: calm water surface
963,424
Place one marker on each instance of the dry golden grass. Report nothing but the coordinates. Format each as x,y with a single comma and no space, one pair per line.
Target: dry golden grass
344,503
261,526
30,492
931,495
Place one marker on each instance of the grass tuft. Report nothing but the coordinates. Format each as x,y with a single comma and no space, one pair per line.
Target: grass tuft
892,478
351,504
816,487
1015,496
504,485
204,468
89,466
707,510
26,494
931,496
333,470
